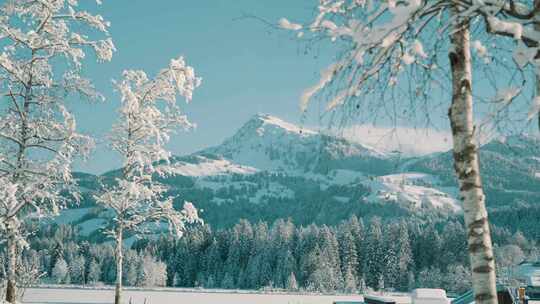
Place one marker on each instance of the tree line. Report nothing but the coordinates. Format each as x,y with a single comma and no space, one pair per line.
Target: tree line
353,256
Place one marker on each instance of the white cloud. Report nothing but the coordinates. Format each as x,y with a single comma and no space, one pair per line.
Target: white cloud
409,141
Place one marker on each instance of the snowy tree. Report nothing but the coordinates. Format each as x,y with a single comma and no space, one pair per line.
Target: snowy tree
398,256
374,257
148,115
349,284
44,44
285,266
94,272
213,266
131,262
458,278
77,269
228,281
390,59
508,258
60,271
154,273
348,251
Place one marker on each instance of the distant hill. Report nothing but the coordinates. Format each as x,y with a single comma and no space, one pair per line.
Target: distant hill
274,169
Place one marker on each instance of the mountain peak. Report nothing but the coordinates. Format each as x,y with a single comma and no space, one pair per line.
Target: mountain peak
262,121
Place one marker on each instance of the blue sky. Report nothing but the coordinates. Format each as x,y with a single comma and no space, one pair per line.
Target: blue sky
246,66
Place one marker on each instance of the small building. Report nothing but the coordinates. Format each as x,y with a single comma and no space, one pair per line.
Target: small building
529,274
429,296
369,299
505,295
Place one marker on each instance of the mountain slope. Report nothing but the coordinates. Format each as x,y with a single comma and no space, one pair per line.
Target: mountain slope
273,169
510,170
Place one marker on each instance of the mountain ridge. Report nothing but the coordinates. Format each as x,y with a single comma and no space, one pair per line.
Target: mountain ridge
270,168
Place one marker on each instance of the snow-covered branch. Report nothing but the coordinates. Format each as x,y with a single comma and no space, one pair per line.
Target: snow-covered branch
149,114
40,65
395,50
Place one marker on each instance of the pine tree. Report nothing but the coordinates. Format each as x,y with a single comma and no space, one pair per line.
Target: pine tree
60,271
350,285
330,259
214,264
285,266
132,261
348,252
77,269
405,257
94,272
228,281
374,258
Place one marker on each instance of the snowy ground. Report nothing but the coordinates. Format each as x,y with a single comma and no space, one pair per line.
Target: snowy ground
105,295
169,295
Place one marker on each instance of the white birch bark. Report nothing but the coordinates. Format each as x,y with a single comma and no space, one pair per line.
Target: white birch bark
467,168
11,288
119,261
537,67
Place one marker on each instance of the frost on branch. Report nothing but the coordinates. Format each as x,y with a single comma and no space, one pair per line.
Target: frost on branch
378,44
392,51
286,24
40,64
149,114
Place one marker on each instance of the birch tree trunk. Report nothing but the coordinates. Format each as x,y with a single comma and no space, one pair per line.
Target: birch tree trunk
467,168
119,260
11,289
537,72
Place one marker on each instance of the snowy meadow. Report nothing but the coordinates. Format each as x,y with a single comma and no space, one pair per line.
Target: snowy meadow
171,295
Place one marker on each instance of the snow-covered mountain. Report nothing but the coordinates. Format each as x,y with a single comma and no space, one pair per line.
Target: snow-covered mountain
271,168
269,143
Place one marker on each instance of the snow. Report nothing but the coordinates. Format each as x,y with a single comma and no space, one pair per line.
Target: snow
513,28
411,190
534,109
287,25
418,49
176,295
269,120
326,77
480,49
210,167
268,143
429,296
507,94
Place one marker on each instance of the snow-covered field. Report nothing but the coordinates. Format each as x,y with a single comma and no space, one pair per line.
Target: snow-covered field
169,295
